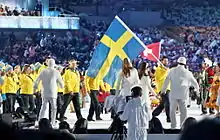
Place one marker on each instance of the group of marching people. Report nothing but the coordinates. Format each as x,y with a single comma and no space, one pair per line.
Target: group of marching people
172,88
30,87
25,85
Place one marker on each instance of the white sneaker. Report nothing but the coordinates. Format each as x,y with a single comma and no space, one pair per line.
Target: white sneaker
55,125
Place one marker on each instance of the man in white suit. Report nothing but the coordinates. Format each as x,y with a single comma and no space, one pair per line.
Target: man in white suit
180,80
50,78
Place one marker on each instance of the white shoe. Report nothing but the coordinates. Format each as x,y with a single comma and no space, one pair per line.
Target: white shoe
55,125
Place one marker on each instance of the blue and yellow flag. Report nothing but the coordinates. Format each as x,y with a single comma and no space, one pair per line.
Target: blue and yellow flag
118,43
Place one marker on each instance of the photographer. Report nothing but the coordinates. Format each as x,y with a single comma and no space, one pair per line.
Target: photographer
141,115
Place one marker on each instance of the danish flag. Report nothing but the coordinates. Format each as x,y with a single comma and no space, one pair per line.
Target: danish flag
152,52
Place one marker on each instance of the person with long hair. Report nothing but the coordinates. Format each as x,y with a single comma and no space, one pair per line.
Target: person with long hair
27,93
127,79
212,103
145,82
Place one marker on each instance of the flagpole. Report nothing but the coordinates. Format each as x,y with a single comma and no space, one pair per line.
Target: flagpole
158,60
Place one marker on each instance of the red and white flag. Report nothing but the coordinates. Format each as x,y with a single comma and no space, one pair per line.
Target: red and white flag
152,52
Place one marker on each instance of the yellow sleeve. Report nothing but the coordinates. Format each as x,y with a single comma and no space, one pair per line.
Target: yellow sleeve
160,74
87,83
67,82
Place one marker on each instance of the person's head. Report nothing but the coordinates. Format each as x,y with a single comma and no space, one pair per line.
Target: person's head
188,123
17,69
165,61
26,69
126,67
181,61
206,63
207,129
44,125
46,61
143,70
51,63
73,64
60,69
217,68
136,91
64,125
37,66
9,69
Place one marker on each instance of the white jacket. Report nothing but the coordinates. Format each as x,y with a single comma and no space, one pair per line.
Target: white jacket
138,114
180,80
126,83
145,84
50,78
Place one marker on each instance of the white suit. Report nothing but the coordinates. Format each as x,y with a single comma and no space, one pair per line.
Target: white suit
126,84
50,78
145,84
138,122
180,80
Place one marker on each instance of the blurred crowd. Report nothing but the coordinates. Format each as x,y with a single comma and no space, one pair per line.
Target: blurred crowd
187,15
198,44
6,10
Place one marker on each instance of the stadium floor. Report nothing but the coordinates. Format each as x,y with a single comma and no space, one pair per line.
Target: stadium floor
193,111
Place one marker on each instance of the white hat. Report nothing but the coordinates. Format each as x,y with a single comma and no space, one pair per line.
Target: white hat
182,60
51,63
207,61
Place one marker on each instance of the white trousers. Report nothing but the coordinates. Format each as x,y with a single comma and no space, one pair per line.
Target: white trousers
45,107
182,104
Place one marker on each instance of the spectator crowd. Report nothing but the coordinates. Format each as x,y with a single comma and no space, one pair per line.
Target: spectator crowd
6,10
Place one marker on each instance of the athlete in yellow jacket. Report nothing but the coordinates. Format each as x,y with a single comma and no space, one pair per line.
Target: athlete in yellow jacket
27,84
160,76
10,88
71,89
93,85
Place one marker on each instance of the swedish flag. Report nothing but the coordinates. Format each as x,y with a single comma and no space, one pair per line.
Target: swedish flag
118,43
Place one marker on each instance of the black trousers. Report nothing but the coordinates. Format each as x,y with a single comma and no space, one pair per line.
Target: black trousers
38,103
11,98
67,98
5,106
94,106
28,102
59,102
165,103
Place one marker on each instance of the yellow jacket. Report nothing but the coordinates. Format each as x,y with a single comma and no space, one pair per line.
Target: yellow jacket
10,84
160,76
71,81
35,76
27,84
92,83
17,76
108,87
104,86
1,85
